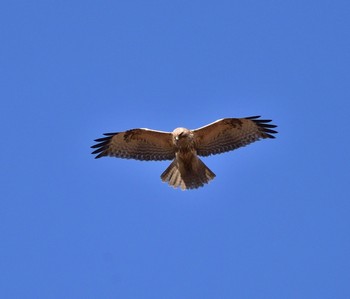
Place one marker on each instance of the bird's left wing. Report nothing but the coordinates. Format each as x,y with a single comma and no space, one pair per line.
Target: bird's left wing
231,133
139,144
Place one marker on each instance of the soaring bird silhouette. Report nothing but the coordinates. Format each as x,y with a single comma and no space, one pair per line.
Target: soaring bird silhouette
183,146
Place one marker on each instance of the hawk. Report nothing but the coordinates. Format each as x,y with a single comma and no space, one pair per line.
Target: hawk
183,146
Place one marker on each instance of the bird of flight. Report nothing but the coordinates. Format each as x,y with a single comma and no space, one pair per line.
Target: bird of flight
183,146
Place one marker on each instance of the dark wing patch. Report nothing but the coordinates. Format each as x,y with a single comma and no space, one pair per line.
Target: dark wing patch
139,144
231,133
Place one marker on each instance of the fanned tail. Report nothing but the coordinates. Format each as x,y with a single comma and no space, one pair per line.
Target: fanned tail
187,177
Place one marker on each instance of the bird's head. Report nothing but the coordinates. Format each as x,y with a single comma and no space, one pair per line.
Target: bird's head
182,136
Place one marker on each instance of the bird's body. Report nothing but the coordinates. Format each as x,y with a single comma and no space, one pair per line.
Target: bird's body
187,170
183,146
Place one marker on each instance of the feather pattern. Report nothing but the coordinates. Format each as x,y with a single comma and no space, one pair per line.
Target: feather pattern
139,144
231,133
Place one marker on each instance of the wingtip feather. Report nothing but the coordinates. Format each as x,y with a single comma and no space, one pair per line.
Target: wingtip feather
264,127
100,155
101,145
111,134
253,117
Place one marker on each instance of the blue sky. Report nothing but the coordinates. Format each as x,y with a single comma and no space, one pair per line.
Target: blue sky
275,221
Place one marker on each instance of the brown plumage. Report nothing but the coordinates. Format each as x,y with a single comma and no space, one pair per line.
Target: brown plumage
183,146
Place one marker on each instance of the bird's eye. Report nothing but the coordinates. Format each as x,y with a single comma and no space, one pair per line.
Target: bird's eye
180,135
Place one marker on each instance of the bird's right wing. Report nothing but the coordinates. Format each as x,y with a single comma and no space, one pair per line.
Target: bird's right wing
139,144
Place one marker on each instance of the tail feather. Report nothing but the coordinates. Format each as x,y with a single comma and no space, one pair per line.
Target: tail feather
195,176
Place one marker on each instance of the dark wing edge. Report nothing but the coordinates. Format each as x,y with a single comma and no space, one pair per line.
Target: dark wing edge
102,145
264,127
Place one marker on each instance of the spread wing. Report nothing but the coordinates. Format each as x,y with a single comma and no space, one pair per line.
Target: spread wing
139,144
231,133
